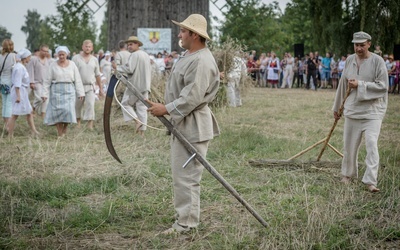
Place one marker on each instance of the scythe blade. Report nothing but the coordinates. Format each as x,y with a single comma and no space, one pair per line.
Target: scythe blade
106,117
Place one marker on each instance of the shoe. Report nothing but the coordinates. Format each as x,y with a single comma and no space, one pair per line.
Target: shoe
176,229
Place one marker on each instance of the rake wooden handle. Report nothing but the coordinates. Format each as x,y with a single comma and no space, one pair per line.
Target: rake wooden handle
340,111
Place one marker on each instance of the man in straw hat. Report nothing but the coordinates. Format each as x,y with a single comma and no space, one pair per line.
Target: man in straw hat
138,70
365,76
193,83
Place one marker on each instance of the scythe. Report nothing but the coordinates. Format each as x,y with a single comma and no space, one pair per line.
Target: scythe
191,149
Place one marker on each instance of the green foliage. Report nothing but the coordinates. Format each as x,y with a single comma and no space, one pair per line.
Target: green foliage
72,25
254,24
4,33
32,29
103,36
321,25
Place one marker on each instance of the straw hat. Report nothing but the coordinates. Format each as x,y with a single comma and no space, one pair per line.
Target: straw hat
196,23
134,39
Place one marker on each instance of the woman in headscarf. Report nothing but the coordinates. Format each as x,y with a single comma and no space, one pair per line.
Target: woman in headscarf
20,93
62,85
7,61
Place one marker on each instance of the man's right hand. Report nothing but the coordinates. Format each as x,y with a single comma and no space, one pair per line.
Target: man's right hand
32,85
336,115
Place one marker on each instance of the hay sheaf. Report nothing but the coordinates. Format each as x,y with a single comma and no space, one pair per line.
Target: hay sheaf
224,54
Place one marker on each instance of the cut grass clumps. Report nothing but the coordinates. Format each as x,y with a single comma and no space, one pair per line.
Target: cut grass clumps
70,193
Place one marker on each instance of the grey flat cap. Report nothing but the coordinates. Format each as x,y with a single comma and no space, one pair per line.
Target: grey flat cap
360,37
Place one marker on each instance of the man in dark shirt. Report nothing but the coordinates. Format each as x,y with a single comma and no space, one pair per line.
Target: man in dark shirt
312,67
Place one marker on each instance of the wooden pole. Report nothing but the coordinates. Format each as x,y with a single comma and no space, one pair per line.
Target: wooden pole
306,150
335,123
335,150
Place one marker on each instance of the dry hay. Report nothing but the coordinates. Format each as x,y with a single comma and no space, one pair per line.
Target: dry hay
223,54
290,164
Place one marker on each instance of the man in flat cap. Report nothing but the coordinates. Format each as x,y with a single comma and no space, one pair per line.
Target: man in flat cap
365,76
192,85
138,70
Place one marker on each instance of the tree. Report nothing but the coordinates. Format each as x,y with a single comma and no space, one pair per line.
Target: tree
72,25
103,36
32,29
255,25
297,24
4,33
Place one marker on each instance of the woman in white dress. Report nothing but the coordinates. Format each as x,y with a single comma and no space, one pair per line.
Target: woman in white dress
62,85
20,93
105,68
273,70
7,61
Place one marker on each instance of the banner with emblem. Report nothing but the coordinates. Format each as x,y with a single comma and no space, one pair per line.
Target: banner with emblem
155,40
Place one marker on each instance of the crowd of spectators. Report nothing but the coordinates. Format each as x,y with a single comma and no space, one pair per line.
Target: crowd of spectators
268,70
313,71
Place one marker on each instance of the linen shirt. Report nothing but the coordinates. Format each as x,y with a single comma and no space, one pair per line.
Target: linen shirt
88,70
20,76
8,64
138,70
193,83
122,57
37,69
59,74
369,99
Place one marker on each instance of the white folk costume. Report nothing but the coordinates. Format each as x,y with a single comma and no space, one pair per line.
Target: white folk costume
138,70
20,79
8,60
61,87
37,70
364,110
288,73
234,76
193,84
106,67
88,71
122,57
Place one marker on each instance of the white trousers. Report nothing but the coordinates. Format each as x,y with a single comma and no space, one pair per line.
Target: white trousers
353,130
186,182
128,100
287,78
38,103
233,93
87,105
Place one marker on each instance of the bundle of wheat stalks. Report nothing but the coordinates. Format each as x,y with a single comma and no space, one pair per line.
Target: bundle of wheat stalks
224,54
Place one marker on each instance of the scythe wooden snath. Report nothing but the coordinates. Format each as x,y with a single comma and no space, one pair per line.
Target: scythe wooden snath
192,150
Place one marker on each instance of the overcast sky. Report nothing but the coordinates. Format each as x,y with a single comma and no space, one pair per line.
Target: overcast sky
13,14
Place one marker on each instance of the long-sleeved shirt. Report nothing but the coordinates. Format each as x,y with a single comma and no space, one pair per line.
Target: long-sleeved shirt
193,83
138,70
37,69
68,74
369,99
88,70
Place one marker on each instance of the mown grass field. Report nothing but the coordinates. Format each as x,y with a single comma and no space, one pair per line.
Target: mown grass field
70,193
